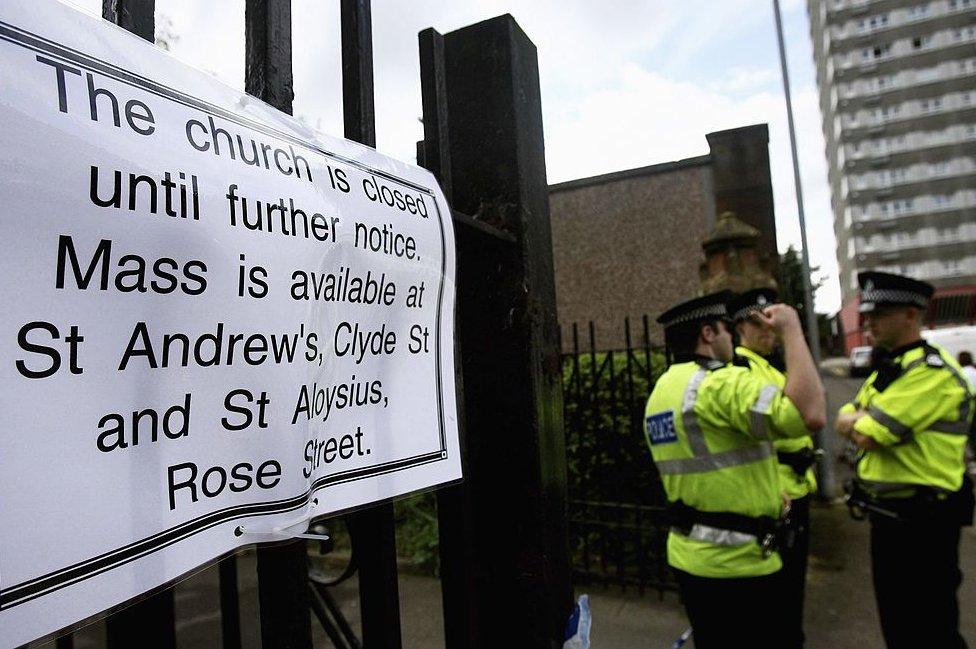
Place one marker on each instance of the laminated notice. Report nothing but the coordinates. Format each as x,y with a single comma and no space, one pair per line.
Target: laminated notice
217,323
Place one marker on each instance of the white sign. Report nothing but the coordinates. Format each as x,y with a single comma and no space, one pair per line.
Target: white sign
216,324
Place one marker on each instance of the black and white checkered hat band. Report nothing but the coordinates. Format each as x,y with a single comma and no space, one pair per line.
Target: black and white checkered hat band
701,313
744,312
893,296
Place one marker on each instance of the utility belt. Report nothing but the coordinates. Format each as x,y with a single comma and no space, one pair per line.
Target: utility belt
921,503
727,528
800,461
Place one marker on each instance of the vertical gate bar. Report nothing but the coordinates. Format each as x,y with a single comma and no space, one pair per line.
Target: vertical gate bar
149,622
635,410
619,490
578,414
647,353
373,533
433,92
282,569
358,108
283,596
632,403
136,16
513,529
595,375
373,530
580,450
230,609
267,53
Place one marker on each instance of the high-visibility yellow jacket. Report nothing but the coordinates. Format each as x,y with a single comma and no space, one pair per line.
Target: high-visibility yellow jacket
708,426
920,419
793,485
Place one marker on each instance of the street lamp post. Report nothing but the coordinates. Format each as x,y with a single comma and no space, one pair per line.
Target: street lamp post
812,330
827,475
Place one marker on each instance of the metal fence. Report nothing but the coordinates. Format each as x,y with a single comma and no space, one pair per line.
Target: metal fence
616,500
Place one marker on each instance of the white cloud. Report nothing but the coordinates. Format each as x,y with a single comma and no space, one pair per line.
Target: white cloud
743,79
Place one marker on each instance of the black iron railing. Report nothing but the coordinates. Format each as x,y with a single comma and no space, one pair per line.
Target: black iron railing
616,501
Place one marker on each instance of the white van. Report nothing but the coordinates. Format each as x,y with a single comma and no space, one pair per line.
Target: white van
953,339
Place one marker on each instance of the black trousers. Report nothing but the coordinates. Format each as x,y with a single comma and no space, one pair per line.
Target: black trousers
794,572
916,573
740,612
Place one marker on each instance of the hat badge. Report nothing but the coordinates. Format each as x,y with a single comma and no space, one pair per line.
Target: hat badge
869,285
761,300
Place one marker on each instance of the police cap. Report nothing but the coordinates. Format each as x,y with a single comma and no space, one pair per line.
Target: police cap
701,309
742,305
883,289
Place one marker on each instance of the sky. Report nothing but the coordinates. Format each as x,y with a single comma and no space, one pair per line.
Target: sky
624,84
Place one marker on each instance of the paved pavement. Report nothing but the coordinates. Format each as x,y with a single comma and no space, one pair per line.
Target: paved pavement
840,611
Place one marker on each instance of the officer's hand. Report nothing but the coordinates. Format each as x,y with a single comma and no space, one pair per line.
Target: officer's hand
780,317
845,422
865,442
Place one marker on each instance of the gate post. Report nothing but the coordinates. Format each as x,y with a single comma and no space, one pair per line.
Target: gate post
504,553
283,568
372,530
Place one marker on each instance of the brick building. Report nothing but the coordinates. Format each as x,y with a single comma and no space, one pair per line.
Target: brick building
628,243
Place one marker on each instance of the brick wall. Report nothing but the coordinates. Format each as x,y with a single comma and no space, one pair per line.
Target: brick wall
627,244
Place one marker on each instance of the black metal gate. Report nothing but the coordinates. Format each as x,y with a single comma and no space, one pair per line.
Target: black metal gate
504,558
617,536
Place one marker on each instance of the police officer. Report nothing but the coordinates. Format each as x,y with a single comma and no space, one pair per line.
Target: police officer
795,454
708,426
910,420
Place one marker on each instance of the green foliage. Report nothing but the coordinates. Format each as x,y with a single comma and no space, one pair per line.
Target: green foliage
416,532
606,455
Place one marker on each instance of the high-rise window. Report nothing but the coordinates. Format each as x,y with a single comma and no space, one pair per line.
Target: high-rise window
876,52
918,11
921,42
873,23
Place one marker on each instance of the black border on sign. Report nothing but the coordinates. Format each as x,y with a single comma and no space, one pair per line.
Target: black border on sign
26,591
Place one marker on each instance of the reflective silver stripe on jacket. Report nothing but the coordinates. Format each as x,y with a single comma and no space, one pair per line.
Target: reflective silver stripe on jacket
915,363
958,427
880,488
895,427
760,409
961,425
950,427
715,461
692,430
716,535
702,459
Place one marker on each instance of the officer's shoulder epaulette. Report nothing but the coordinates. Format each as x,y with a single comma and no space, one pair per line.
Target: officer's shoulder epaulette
932,356
741,361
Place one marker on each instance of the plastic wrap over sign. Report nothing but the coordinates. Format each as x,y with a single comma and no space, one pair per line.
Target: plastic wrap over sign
217,323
